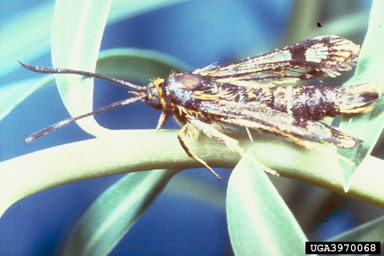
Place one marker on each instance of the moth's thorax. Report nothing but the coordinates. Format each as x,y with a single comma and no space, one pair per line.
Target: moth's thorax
179,89
176,90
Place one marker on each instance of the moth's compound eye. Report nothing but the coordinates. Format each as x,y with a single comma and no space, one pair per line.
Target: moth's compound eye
154,102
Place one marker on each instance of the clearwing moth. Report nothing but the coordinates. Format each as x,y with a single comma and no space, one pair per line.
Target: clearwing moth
246,94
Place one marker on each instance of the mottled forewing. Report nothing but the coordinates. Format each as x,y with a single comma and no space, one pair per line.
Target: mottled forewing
309,59
265,118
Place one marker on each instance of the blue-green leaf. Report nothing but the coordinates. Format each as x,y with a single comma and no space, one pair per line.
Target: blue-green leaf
259,222
77,30
369,70
371,231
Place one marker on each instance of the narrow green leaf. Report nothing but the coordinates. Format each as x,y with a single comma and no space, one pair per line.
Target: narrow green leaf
114,212
192,188
371,231
369,70
13,94
259,222
77,30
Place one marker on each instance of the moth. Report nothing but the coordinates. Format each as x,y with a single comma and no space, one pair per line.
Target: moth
255,93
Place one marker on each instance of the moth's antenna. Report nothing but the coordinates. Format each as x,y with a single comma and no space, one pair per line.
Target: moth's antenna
50,70
70,120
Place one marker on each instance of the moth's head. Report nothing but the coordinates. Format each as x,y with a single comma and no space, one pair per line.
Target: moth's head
155,93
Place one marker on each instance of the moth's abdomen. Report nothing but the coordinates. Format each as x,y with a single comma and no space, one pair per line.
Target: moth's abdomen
315,103
357,98
307,102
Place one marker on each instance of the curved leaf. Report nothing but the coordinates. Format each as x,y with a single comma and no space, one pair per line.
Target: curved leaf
77,30
371,231
368,70
115,211
259,222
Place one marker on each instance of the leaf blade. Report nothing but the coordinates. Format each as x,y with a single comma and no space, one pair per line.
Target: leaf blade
258,219
368,70
370,231
76,39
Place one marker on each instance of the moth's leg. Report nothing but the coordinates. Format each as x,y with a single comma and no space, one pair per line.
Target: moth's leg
249,134
260,127
231,143
180,136
211,132
299,141
291,137
163,118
